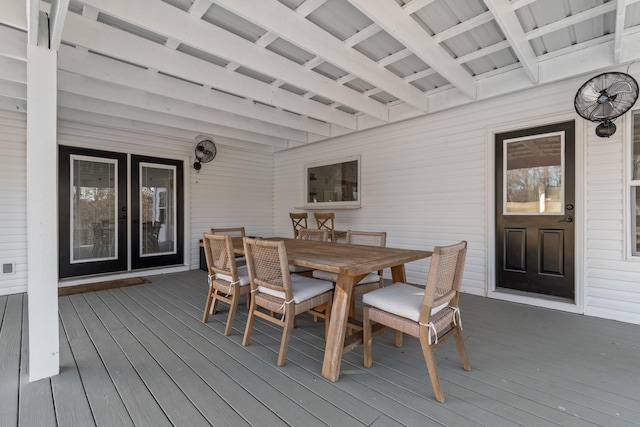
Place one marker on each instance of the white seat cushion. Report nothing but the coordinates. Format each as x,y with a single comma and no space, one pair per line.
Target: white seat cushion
243,276
333,277
303,288
400,299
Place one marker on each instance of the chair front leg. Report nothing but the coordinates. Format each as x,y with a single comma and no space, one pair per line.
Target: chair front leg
430,360
286,332
457,333
250,319
366,337
233,307
207,306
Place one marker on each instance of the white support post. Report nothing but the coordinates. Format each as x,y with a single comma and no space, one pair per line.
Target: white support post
42,208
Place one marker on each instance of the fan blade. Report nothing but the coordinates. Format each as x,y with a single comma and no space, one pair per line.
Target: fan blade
621,87
590,92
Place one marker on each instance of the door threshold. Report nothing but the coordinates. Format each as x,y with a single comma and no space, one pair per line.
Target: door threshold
535,299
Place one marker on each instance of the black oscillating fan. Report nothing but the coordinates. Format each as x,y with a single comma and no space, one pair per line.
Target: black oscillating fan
605,97
205,152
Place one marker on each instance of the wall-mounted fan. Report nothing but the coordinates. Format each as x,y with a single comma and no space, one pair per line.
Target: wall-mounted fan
205,152
605,97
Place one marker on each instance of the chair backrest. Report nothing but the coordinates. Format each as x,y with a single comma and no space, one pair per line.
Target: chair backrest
268,265
445,277
218,250
233,231
299,221
369,238
325,220
313,234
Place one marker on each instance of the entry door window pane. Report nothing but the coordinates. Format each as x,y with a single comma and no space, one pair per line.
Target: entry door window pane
533,175
157,209
93,209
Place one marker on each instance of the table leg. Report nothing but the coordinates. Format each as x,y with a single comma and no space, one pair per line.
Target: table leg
337,327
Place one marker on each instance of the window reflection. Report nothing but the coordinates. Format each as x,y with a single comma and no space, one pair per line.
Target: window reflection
158,209
534,175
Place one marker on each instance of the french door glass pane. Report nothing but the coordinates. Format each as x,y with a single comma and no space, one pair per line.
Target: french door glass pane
533,175
93,209
157,209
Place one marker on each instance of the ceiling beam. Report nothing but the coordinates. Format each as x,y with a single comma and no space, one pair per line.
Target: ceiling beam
99,67
172,22
505,16
400,25
621,10
270,14
101,90
12,14
127,47
58,13
33,21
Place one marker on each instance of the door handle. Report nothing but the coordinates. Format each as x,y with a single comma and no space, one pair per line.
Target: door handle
568,219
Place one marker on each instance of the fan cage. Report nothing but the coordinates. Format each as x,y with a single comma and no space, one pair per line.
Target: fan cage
606,96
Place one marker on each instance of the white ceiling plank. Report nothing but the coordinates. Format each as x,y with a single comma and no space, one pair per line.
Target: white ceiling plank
70,100
416,5
398,56
58,14
496,47
400,25
463,27
362,35
99,67
14,43
309,6
571,20
420,74
621,11
200,7
270,14
13,14
89,119
33,21
13,90
266,39
89,87
171,22
112,42
508,21
13,70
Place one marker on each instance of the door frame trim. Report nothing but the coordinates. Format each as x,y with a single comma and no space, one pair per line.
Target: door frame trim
576,306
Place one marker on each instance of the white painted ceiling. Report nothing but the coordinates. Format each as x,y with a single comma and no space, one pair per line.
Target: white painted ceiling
274,74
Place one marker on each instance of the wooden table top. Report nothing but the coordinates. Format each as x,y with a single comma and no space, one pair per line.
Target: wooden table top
341,258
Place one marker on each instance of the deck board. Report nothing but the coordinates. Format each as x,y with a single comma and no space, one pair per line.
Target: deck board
141,356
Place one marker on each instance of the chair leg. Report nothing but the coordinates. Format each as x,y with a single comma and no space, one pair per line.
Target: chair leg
327,315
286,334
233,307
207,306
366,337
249,327
430,360
460,344
398,339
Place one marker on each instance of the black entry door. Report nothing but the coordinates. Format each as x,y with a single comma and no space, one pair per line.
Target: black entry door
535,210
92,207
157,224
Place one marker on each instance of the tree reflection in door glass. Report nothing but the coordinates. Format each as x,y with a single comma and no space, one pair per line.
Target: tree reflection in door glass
534,175
157,207
93,207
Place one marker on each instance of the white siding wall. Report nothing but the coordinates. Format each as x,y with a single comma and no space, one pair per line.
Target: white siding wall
429,181
13,201
613,277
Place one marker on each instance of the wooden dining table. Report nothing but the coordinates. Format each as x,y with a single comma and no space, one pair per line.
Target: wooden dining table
352,263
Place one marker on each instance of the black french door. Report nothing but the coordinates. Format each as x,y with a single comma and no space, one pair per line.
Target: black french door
118,212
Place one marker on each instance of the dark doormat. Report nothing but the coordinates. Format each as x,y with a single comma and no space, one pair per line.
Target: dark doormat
99,286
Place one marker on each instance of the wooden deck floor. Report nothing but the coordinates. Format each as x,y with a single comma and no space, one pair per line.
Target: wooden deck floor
140,356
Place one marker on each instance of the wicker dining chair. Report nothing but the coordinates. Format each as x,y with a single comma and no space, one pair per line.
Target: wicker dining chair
227,282
430,314
274,289
309,234
298,221
235,233
371,281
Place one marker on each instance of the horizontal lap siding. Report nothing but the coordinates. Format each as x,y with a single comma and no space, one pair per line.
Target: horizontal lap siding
13,205
612,280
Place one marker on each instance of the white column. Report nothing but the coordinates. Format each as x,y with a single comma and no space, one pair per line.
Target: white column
42,209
